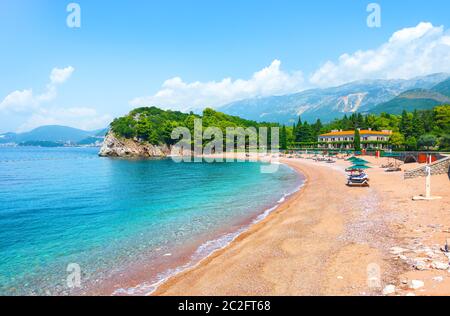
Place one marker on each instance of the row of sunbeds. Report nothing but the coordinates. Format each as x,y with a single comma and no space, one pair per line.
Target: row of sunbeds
358,180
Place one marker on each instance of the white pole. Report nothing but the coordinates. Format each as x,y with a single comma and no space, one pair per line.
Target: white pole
428,182
427,196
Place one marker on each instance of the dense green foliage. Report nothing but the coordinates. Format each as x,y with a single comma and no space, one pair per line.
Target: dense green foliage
153,125
150,124
424,129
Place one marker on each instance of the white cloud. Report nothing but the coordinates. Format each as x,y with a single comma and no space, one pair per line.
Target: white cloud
18,100
177,94
79,117
410,52
38,111
60,75
26,100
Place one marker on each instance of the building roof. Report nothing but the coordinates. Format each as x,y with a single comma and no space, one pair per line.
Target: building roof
352,133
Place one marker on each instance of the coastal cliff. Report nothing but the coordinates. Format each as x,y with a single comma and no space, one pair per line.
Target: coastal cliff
115,146
147,132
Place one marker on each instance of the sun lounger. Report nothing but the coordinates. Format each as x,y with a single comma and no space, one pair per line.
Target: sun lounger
354,183
394,169
360,177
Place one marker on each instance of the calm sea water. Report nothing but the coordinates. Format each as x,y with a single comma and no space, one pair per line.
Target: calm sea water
66,205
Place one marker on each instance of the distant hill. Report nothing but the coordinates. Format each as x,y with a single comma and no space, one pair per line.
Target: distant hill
443,88
416,99
54,134
330,103
101,132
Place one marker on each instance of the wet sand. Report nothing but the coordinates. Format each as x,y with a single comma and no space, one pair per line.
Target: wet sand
327,239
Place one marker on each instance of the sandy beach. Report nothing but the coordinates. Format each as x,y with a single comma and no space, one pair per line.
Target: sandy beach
329,239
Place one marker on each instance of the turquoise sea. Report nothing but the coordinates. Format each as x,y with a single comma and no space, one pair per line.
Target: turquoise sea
113,217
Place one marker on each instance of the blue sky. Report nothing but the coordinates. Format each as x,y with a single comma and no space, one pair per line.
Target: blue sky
125,51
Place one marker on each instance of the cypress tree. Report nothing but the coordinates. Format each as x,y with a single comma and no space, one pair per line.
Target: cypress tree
406,124
417,126
283,138
360,121
317,127
357,140
299,130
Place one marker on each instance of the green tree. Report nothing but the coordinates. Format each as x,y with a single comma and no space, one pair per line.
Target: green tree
360,121
411,143
427,141
345,123
357,140
397,140
442,118
283,138
317,128
406,124
308,133
444,142
417,127
298,130
124,126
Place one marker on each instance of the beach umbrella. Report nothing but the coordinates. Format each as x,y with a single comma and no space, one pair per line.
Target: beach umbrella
360,161
358,167
357,160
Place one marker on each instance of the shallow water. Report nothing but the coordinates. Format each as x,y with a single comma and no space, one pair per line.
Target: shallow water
66,205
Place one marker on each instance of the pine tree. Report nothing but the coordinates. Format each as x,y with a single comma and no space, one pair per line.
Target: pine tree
317,127
406,124
417,126
345,123
307,132
360,121
299,130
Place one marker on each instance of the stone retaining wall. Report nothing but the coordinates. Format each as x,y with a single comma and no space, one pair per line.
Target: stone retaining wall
438,167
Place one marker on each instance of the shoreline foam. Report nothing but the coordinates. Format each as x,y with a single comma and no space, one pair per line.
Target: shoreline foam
210,247
325,238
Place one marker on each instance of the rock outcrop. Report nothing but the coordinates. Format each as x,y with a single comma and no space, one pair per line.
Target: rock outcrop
114,146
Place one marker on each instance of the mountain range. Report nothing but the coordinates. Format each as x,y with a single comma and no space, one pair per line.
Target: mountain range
54,135
366,96
417,99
